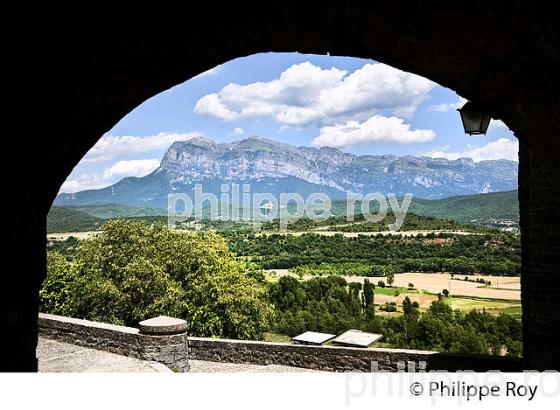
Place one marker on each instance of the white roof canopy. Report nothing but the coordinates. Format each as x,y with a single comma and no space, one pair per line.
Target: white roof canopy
314,338
357,338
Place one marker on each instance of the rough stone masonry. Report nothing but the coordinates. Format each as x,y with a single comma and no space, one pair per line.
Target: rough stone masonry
175,350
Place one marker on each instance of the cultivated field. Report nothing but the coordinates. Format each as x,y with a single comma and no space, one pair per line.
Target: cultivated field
65,235
502,287
508,288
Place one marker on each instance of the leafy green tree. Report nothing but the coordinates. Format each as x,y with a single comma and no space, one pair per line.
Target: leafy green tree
390,278
368,295
132,271
54,294
390,307
467,340
257,275
409,307
442,310
514,347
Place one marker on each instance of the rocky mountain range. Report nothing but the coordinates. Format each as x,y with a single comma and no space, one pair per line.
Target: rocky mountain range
270,166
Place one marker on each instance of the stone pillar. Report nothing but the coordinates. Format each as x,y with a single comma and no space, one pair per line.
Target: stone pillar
164,339
539,203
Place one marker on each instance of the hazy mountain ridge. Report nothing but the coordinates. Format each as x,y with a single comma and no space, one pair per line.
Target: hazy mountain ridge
276,167
479,209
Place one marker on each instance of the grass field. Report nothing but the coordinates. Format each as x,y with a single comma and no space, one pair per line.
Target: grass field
491,305
465,304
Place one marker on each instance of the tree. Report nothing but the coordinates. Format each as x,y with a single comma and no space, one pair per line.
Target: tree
409,307
514,347
441,310
390,307
381,284
466,340
368,295
132,271
54,294
390,278
411,286
445,293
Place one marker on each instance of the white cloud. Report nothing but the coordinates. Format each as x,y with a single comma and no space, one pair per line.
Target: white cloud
134,167
110,175
448,106
238,131
503,148
305,93
375,129
113,146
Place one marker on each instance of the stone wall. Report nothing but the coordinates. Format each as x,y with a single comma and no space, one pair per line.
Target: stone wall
170,350
539,204
173,350
340,359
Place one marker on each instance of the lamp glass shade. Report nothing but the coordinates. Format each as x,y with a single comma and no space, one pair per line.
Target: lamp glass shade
475,122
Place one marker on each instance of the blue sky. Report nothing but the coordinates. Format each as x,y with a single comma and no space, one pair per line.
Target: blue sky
356,105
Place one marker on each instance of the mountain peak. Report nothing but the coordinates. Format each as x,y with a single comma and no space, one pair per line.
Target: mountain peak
259,138
271,166
200,141
255,143
185,145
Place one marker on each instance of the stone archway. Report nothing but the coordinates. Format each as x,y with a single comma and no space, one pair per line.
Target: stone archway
83,78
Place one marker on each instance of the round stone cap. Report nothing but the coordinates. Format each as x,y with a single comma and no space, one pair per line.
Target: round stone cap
162,325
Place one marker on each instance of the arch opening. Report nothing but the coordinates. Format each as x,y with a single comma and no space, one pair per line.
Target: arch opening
317,108
110,76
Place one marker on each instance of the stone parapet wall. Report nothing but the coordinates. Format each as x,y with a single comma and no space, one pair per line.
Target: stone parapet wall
174,350
171,350
334,358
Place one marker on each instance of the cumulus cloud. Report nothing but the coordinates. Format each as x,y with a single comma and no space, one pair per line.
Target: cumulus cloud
448,106
503,148
110,175
114,146
238,131
305,94
374,129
